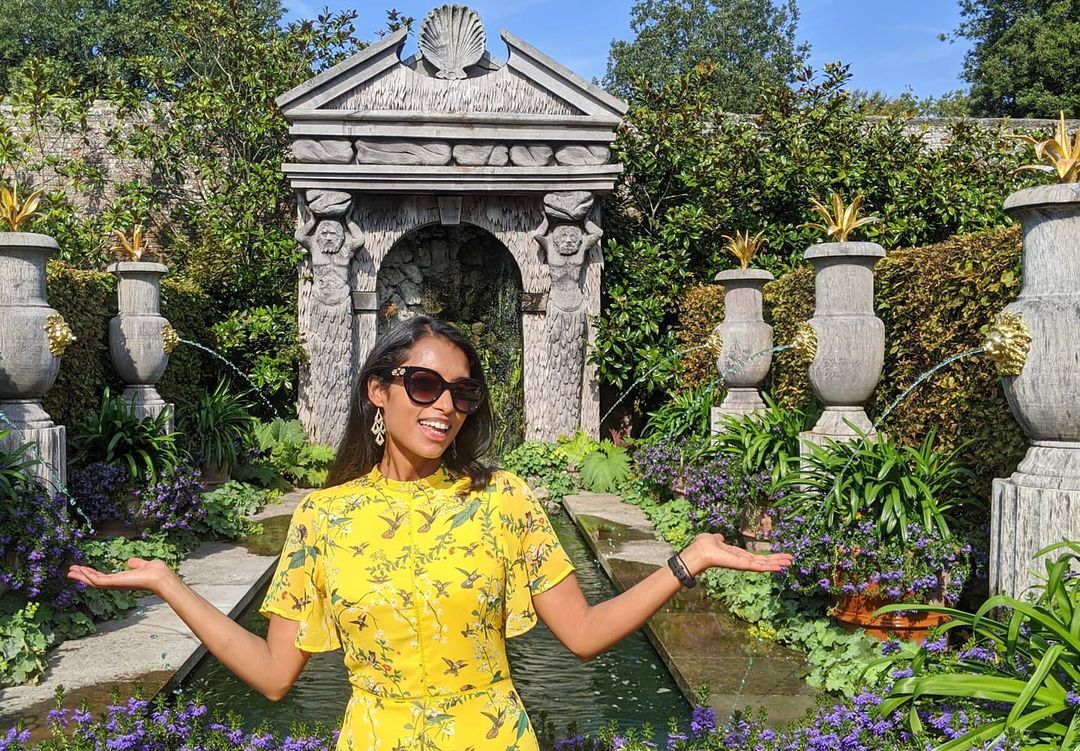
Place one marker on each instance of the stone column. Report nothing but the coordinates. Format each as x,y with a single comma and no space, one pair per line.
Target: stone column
743,334
1040,503
33,336
138,335
850,348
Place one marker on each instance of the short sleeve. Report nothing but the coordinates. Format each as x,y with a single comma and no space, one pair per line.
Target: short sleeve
297,589
536,560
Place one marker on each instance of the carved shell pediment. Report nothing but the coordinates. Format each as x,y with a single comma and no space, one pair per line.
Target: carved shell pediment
501,91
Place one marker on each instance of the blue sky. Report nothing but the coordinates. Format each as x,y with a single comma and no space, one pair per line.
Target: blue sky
891,46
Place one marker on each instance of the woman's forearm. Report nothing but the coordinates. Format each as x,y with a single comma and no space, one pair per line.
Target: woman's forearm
588,630
270,666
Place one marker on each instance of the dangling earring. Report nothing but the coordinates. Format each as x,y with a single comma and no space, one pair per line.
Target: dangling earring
378,428
453,448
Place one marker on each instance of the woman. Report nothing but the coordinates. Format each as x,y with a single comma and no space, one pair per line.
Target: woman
418,562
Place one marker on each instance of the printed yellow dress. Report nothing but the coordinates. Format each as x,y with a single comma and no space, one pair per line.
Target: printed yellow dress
420,583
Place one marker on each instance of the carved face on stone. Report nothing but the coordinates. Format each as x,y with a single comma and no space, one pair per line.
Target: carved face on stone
567,239
329,236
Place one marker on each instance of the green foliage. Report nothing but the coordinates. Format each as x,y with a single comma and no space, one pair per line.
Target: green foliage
264,342
217,427
542,464
881,480
16,462
228,507
763,441
112,554
686,416
1023,56
24,639
577,447
116,435
1025,678
285,446
753,41
935,302
693,174
96,42
606,469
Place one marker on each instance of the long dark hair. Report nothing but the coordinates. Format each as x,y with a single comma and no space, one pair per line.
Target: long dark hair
358,452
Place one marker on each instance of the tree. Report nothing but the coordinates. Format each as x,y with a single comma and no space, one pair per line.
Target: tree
1025,56
753,43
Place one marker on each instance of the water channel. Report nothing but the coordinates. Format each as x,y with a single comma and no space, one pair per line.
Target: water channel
629,684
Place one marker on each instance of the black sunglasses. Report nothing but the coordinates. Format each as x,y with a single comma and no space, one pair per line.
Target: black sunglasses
425,386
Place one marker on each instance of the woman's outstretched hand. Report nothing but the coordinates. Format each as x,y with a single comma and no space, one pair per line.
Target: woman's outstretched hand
709,551
140,574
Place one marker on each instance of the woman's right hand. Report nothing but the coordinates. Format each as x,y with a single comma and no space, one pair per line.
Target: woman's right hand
140,574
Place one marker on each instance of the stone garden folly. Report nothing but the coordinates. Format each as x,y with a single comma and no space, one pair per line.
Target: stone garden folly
383,147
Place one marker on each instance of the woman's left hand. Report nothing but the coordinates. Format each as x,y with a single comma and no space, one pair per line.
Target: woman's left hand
709,551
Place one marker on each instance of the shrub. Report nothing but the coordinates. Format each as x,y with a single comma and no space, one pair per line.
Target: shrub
283,447
172,505
693,174
685,417
606,469
701,308
935,302
542,464
227,508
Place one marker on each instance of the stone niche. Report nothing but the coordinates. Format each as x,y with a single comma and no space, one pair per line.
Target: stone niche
451,183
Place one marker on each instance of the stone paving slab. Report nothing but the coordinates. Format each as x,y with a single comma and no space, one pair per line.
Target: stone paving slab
698,640
150,647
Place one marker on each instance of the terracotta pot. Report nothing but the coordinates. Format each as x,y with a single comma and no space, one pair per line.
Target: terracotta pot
856,611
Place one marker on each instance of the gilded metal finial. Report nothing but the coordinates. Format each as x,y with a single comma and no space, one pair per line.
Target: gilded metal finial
169,337
804,343
59,334
715,342
1008,343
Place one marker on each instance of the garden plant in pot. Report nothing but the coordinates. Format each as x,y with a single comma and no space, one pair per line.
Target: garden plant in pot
871,523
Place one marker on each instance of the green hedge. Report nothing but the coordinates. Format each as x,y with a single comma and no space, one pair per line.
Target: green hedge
935,302
87,300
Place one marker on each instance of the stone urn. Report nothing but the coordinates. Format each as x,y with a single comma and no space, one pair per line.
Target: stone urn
850,339
746,339
33,336
1040,503
139,336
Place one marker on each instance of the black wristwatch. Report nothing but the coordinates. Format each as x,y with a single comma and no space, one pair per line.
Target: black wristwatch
682,573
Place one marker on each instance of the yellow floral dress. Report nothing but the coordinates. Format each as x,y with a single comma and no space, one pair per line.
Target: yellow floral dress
419,583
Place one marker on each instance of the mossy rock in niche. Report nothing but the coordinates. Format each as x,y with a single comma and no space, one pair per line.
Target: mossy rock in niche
935,301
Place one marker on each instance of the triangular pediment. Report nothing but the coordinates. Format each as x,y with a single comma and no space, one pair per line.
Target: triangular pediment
376,83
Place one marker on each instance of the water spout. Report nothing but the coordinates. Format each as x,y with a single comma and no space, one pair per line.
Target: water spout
236,370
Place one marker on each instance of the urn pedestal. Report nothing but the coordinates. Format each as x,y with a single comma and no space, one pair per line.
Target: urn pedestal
744,358
1040,503
137,335
850,339
32,339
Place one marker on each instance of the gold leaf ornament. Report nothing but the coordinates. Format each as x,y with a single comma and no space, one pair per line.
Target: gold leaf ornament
169,338
14,212
715,342
839,221
804,343
133,247
1061,155
59,334
744,247
1008,343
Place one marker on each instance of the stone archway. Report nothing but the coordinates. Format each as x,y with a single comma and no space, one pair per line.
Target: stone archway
464,275
383,146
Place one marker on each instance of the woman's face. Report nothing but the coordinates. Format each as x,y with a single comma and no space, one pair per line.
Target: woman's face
418,434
